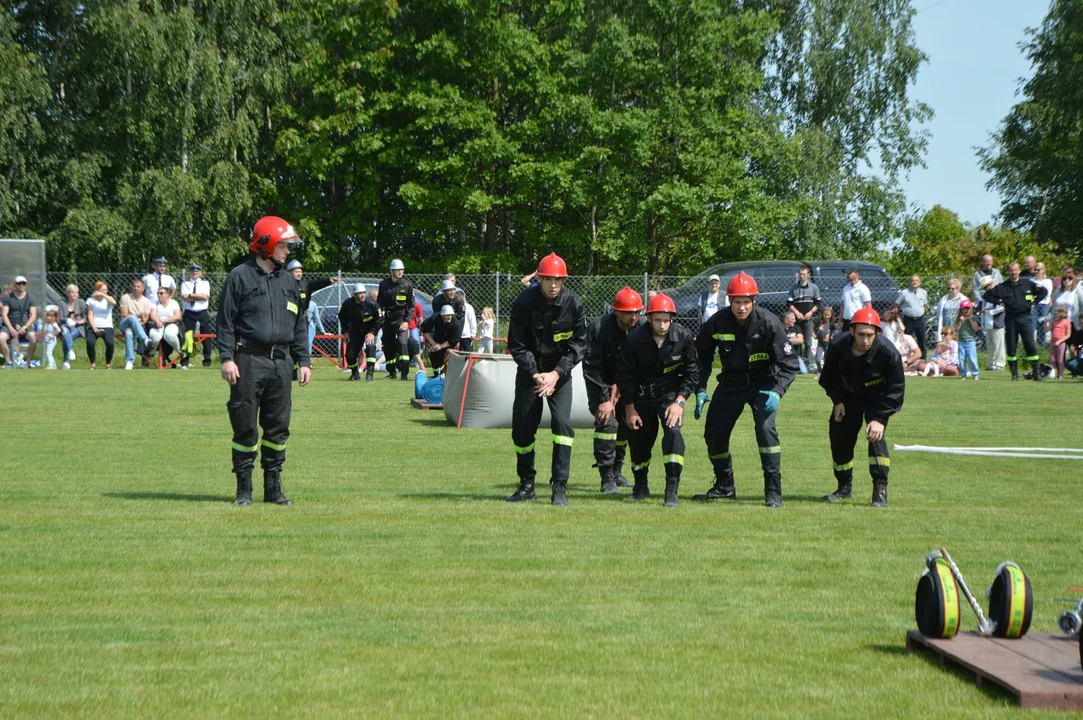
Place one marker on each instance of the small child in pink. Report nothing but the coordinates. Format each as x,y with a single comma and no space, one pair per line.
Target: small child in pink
1058,339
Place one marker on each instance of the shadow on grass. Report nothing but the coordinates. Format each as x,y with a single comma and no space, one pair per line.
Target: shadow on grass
988,688
431,421
476,497
168,496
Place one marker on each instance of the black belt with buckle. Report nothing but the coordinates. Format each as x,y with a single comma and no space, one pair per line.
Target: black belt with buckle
275,352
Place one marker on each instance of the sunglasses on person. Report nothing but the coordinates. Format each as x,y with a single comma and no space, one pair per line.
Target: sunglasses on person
21,282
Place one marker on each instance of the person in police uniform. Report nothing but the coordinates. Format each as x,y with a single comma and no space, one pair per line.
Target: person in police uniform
863,376
396,299
657,370
1018,295
358,320
547,338
442,332
196,293
758,365
604,338
261,334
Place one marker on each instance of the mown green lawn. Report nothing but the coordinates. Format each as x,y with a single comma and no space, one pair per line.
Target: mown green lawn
401,584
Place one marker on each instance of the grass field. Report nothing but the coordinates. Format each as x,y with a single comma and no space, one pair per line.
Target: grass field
401,584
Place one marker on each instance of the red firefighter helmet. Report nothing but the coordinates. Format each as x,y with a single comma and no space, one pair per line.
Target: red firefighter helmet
552,265
866,316
661,303
268,232
628,300
742,285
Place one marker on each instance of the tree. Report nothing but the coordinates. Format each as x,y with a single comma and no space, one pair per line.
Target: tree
1036,154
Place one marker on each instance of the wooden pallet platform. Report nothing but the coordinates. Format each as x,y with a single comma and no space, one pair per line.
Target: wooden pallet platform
422,405
1042,670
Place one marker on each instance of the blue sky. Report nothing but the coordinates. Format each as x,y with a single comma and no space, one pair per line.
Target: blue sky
970,81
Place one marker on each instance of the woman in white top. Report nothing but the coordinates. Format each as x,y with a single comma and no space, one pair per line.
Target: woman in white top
100,324
164,319
947,310
1041,310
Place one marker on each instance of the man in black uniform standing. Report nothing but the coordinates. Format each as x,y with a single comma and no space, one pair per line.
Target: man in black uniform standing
358,319
657,370
447,296
604,338
863,376
758,364
442,332
396,300
261,334
1018,295
547,338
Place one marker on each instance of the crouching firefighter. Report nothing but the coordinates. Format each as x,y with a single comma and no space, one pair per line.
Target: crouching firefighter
604,338
546,338
758,364
657,370
261,334
358,319
863,376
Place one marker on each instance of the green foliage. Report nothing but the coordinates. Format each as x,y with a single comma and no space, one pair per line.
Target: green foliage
1036,155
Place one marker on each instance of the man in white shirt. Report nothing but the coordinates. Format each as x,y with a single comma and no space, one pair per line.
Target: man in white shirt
855,296
159,279
712,301
196,293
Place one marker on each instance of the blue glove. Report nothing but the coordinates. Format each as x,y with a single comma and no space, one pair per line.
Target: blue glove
701,400
771,404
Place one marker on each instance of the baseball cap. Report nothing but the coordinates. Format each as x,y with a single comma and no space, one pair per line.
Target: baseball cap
714,278
19,279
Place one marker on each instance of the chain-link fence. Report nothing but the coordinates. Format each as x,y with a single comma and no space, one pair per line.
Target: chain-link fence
499,291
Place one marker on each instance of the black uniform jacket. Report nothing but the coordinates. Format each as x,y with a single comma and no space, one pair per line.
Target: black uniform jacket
757,354
359,319
876,378
308,289
544,336
1017,297
443,332
647,372
396,299
261,309
604,338
457,303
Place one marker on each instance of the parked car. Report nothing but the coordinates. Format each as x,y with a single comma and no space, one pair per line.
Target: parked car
330,299
776,277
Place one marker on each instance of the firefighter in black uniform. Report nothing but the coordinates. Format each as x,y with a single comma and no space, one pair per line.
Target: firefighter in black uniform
657,370
547,338
261,334
758,364
447,296
604,338
358,319
396,300
442,332
863,376
308,288
1018,295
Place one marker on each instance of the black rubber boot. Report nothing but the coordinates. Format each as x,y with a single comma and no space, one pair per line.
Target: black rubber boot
772,493
618,467
369,372
620,480
879,495
671,492
640,491
244,488
355,375
719,491
1036,368
560,494
1014,367
845,492
525,491
272,488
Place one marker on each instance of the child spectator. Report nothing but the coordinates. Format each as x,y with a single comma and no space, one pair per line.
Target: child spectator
825,332
945,360
966,329
1061,331
488,326
52,333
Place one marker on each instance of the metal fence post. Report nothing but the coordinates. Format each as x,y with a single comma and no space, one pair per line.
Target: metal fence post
496,306
645,287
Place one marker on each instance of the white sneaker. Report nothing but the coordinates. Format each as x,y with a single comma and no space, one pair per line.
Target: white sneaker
127,366
71,356
67,366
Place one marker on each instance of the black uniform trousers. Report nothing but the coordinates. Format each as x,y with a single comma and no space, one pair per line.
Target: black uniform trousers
261,395
355,344
437,358
641,441
1016,326
189,319
396,347
611,439
843,437
722,415
526,412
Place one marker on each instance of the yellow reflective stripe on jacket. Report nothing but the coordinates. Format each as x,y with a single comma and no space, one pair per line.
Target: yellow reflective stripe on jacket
558,337
673,367
724,337
757,357
291,307
563,440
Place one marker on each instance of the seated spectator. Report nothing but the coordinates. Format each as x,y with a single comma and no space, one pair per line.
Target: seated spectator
52,334
910,353
19,313
795,338
945,359
72,322
135,311
100,305
165,319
